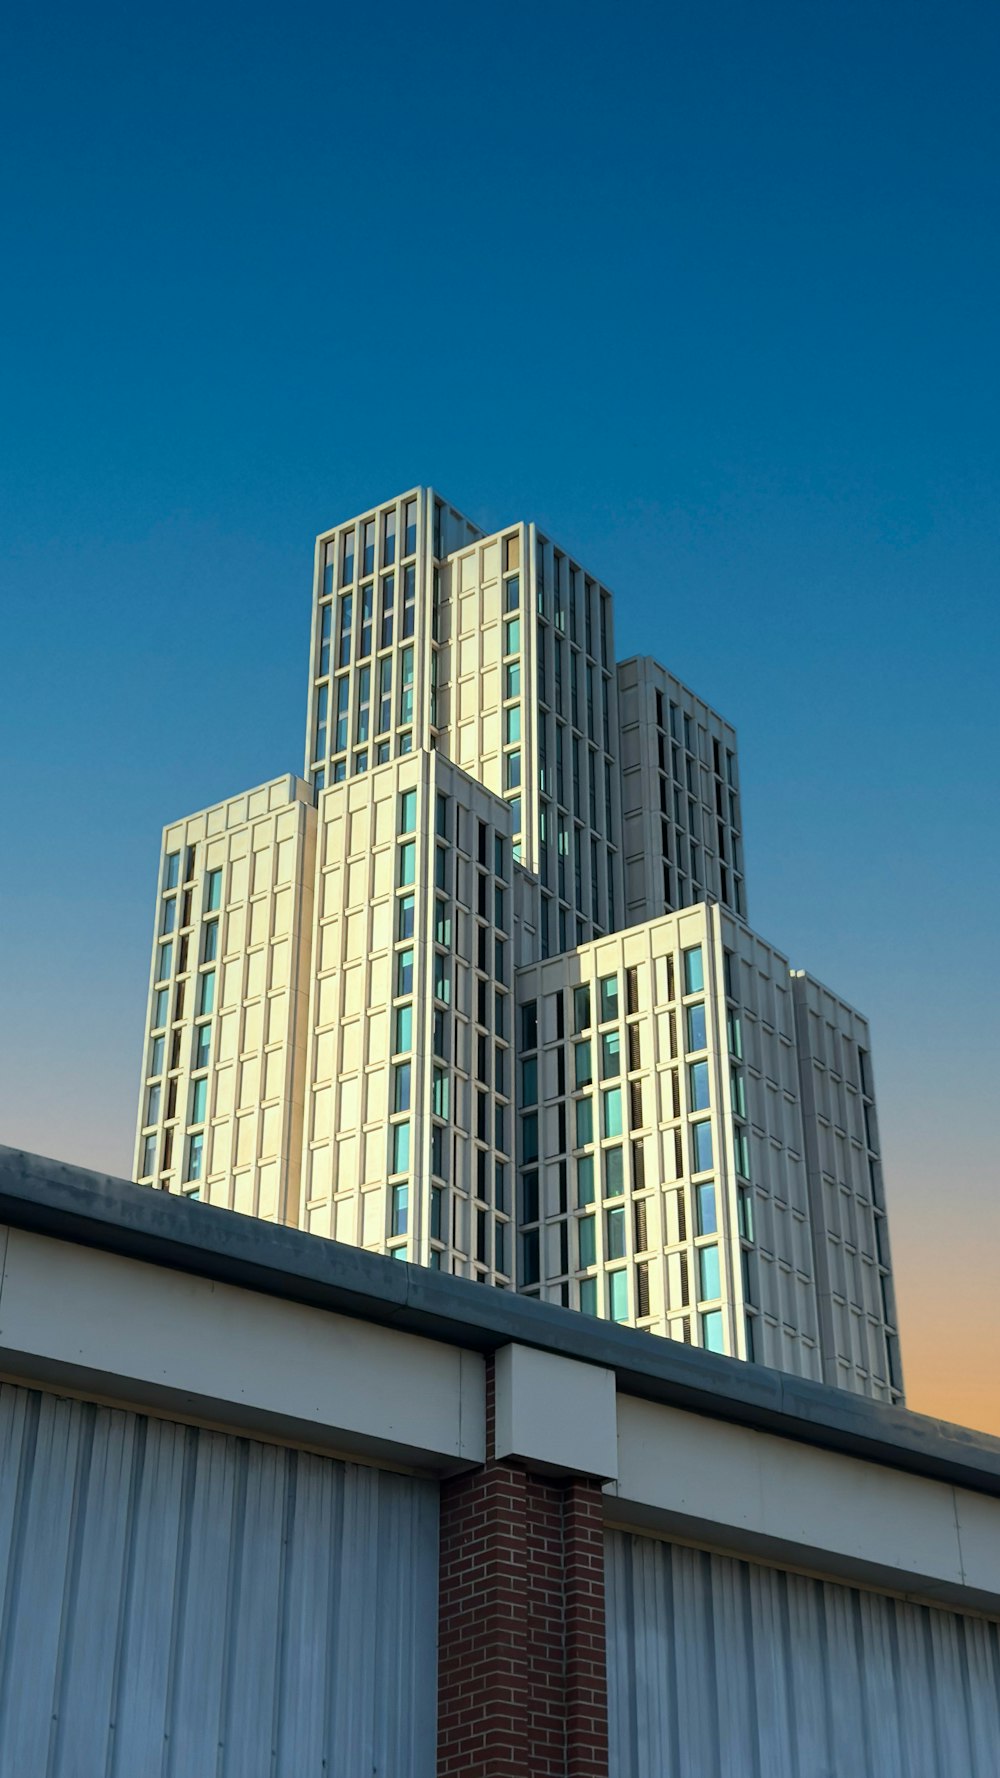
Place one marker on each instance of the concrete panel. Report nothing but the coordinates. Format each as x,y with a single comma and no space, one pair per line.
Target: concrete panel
554,1413
748,1491
140,1333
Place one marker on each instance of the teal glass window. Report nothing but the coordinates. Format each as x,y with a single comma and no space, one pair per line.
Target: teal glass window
404,1030
400,1208
618,1296
585,1180
698,1086
696,1034
586,1228
709,1283
199,1101
407,863
588,1296
615,1235
408,811
213,895
694,971
614,1173
712,1334
707,1222
612,1111
584,1122
400,1148
701,1142
583,1072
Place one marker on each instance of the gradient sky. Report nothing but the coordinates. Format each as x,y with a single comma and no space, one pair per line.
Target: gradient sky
711,291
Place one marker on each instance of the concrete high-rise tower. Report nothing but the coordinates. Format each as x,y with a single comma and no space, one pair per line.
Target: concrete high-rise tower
478,991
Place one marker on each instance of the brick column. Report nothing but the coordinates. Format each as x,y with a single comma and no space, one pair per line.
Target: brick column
521,1665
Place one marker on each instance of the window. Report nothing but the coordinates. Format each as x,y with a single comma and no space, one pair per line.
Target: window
512,767
695,1016
400,1208
442,923
367,602
403,1035
584,1122
389,539
512,640
148,1161
206,992
156,1056
587,1236
612,1111
581,1009
582,1067
734,1031
401,1092
160,1001
707,1223
213,896
588,1296
611,1044
368,546
400,1148
169,919
712,1335
407,863
585,1180
164,961
709,1286
196,1150
202,1045
442,979
694,974
608,986
698,1086
618,1296
210,942
171,870
529,1025
405,908
409,527
615,1232
529,1257
404,971
529,1081
199,1101
614,1173
388,601
529,1137
512,680
512,723
344,632
409,599
406,689
153,1105
440,1096
701,1140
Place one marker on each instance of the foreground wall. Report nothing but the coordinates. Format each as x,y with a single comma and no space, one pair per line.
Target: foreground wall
181,1601
273,1506
717,1666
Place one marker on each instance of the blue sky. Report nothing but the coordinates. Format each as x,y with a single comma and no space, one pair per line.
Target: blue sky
709,291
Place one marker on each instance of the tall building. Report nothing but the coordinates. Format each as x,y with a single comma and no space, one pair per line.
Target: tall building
478,990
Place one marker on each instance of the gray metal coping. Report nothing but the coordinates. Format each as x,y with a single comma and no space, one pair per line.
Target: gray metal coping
74,1204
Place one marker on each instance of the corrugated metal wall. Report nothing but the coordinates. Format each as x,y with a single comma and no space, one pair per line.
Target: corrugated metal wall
186,1604
725,1669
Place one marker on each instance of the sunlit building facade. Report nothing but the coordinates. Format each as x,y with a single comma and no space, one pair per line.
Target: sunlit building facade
478,990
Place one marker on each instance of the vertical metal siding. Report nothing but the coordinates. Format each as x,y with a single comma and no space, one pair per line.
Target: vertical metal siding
719,1668
188,1604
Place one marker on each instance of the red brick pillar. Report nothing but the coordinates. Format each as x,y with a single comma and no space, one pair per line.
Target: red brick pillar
521,1667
